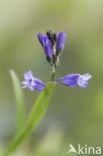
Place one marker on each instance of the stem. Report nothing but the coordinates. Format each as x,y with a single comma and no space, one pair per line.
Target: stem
53,65
53,73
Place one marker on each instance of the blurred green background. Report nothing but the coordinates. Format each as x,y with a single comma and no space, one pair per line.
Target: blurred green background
74,115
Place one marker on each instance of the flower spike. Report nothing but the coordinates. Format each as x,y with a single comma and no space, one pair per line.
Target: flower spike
53,45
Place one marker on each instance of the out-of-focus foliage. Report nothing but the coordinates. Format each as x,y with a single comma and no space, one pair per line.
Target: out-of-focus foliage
77,113
36,115
19,101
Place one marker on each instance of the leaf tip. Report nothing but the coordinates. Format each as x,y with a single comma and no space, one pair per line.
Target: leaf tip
11,71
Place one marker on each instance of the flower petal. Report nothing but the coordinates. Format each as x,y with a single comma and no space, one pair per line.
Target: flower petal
60,42
28,75
31,88
23,87
41,38
39,85
48,49
83,80
70,80
46,44
87,76
24,82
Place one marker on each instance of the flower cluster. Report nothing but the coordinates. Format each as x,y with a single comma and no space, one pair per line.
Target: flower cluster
53,45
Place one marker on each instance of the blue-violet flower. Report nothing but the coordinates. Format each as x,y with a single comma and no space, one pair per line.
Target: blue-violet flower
53,45
31,82
74,80
60,43
46,44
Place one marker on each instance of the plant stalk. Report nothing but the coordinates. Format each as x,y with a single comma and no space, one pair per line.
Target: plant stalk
53,64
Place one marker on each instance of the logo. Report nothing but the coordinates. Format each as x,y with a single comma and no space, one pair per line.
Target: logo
84,150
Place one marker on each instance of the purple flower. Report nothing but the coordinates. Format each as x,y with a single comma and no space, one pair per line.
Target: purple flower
60,42
46,44
41,38
31,83
50,42
74,80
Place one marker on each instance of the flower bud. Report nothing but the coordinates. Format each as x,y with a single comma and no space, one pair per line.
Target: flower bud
52,36
60,43
46,44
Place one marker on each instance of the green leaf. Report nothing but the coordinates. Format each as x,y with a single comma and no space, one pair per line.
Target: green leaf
34,118
40,106
19,101
98,104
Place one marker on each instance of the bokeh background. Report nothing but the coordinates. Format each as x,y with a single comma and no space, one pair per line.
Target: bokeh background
74,115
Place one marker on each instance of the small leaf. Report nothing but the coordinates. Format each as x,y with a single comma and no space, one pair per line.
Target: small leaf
34,118
98,104
40,106
19,100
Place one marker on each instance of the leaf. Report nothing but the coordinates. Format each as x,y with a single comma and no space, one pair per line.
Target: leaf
34,118
19,100
40,106
98,104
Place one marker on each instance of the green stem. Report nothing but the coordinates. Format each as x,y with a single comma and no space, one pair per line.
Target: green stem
53,73
53,65
17,141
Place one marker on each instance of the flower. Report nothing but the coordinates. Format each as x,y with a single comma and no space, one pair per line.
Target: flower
74,80
31,82
52,44
46,44
60,42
